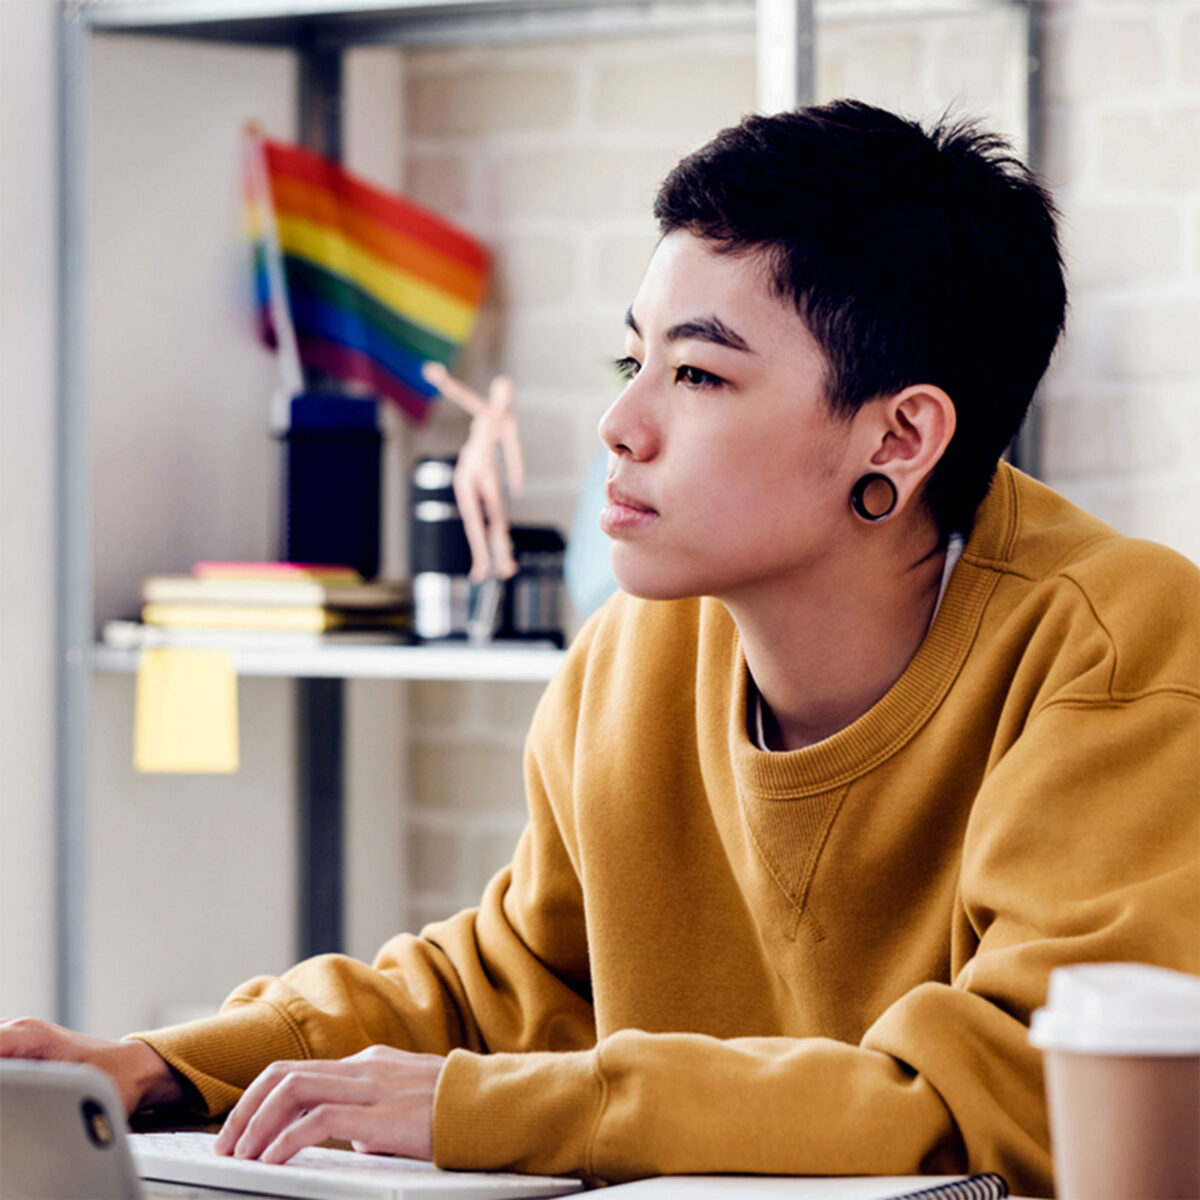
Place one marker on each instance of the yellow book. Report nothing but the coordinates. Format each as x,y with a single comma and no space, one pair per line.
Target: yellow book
276,571
311,619
292,617
378,594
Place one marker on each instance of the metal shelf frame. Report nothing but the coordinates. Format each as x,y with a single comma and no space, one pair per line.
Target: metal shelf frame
319,31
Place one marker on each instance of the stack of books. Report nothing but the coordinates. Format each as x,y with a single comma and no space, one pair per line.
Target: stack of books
283,605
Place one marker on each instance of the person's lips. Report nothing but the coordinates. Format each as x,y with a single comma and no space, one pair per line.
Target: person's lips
624,512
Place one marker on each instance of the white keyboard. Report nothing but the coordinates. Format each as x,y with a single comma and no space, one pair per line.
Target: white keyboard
323,1174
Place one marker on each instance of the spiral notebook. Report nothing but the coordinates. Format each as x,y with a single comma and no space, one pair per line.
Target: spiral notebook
811,1187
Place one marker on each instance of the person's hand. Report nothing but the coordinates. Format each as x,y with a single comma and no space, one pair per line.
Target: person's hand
141,1074
478,485
380,1100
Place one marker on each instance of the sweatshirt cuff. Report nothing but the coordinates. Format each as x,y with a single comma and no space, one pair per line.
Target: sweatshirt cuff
220,1056
492,1112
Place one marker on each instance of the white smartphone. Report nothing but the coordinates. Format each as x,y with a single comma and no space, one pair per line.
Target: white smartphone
62,1134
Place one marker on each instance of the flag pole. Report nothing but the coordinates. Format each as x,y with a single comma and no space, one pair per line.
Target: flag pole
287,352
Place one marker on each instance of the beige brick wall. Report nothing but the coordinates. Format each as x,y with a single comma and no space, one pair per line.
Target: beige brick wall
1121,408
553,152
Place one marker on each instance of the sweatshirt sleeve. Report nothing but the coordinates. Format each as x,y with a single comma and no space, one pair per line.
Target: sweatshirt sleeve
1081,847
509,976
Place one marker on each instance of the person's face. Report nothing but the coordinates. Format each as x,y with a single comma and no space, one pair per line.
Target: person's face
727,472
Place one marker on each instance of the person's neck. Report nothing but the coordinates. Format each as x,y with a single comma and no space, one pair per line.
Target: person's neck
824,649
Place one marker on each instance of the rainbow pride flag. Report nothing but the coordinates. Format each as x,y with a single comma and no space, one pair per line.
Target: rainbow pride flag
372,284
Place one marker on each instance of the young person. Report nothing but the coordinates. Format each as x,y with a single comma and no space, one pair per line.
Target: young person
876,735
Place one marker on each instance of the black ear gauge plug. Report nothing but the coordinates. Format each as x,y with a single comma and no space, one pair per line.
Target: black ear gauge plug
873,497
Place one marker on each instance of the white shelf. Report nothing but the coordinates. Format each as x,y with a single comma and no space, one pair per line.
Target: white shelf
332,23
534,663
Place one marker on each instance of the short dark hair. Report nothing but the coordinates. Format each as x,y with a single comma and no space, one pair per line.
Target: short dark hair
912,256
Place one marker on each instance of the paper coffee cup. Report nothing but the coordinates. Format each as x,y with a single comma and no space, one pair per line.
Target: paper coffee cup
1122,1052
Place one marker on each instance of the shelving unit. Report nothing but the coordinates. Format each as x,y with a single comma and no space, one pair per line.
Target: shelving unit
502,662
318,31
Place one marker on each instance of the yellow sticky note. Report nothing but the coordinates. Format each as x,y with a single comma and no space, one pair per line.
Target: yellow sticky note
185,712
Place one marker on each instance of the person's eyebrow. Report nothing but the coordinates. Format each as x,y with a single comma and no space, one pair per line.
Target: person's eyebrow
705,329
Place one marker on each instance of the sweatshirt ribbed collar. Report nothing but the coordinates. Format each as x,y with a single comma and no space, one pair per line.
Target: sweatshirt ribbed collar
891,723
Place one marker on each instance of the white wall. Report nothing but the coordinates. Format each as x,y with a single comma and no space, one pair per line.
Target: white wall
28,367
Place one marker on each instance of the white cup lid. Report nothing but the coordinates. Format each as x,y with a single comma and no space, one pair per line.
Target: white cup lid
1119,1008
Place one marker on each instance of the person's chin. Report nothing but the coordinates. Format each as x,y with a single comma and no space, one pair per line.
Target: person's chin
646,576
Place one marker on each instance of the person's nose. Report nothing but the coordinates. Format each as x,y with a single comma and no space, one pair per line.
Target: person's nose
629,429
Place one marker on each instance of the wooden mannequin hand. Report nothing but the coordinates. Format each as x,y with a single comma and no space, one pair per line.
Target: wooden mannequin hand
478,485
380,1100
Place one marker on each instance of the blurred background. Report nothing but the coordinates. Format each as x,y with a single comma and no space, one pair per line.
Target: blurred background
549,150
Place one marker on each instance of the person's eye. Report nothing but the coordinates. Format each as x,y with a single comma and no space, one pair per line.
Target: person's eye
694,377
627,367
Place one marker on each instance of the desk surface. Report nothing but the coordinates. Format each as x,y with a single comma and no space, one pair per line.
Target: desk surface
697,1187
157,1190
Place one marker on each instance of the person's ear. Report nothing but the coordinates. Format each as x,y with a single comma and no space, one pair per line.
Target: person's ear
909,433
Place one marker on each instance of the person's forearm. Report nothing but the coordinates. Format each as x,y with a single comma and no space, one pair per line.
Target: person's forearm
153,1082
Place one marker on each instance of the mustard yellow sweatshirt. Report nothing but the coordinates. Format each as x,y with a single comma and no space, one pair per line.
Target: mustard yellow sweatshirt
707,958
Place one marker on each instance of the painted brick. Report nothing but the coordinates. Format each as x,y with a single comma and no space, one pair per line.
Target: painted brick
1159,149
1075,436
481,357
440,704
580,183
534,269
970,59
550,503
468,776
548,442
440,181
1087,59
1134,432
1135,504
1074,364
435,857
1170,508
1066,136
618,262
675,90
1189,49
1155,430
509,707
480,99
1154,340
879,63
373,113
427,908
492,852
566,351
1121,243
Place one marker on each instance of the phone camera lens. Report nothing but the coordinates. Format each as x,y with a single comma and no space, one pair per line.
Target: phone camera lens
96,1122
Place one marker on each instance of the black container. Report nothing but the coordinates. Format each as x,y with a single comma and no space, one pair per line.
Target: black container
532,608
333,452
439,555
